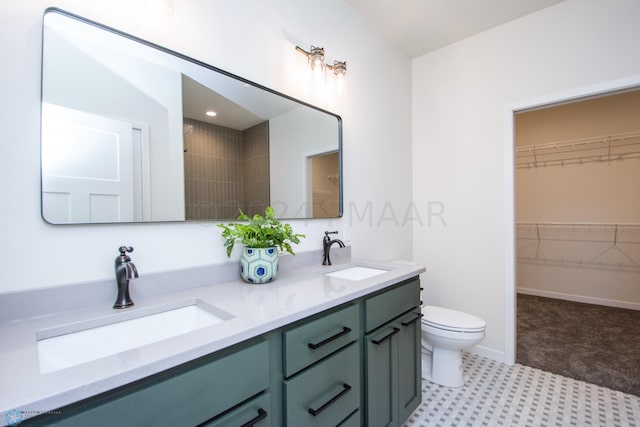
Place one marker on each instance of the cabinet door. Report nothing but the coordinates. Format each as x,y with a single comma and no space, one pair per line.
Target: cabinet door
409,364
382,377
394,371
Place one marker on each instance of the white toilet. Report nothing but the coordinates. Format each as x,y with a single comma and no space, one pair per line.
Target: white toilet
445,333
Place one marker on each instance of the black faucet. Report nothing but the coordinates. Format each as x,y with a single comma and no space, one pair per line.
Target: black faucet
125,271
326,246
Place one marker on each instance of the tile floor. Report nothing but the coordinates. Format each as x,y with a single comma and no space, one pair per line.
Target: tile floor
501,395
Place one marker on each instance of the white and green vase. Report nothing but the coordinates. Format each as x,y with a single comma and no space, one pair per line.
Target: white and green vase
259,265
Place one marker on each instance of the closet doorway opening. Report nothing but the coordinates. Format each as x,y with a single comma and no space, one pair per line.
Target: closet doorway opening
577,232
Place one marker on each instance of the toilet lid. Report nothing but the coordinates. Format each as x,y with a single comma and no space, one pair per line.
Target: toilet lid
446,318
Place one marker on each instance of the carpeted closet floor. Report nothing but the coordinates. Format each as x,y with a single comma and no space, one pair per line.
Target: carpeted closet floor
592,343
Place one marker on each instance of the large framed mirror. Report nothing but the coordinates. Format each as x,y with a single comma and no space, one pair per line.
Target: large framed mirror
126,136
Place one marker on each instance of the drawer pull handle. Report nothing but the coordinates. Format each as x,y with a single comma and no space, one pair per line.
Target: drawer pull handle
418,316
345,330
345,390
386,337
262,414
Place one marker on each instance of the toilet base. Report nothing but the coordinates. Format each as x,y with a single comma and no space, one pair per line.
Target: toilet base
426,364
446,367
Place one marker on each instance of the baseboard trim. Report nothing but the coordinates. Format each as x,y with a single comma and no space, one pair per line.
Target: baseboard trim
490,353
580,298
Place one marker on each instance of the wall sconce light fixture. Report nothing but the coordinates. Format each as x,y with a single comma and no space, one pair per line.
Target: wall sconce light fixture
316,59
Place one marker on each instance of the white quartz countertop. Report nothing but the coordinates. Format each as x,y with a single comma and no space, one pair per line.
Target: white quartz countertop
257,309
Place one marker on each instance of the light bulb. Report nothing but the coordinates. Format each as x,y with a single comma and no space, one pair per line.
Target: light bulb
340,73
316,62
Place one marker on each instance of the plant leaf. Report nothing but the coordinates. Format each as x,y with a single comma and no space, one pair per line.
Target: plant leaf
260,232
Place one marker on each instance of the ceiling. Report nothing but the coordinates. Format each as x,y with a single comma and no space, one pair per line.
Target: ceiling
421,26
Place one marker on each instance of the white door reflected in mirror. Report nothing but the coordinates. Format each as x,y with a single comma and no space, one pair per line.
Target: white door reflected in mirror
87,168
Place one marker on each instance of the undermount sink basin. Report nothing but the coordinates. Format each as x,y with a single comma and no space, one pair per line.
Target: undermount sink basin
86,344
356,273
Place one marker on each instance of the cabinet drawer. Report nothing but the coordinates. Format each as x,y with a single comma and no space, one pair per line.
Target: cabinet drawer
352,421
330,389
186,397
254,413
318,338
386,306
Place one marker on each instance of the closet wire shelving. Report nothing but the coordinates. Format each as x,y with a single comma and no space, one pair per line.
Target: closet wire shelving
578,151
585,245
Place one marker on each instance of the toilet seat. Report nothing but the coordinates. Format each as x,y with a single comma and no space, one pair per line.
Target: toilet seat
451,320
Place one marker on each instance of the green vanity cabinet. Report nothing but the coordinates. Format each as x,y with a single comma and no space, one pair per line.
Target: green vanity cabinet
188,395
357,364
392,355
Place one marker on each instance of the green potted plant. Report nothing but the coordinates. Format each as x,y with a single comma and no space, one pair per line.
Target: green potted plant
263,237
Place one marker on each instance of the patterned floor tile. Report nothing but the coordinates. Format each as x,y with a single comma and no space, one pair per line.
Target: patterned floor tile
500,395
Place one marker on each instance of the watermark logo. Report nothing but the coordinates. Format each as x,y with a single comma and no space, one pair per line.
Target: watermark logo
430,213
14,417
374,215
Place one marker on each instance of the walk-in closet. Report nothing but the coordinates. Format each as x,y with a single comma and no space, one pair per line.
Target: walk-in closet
578,214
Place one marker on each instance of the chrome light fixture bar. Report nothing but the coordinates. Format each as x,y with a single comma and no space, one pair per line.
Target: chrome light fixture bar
316,59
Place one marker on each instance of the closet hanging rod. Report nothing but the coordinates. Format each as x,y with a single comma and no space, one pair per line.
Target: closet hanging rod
587,150
580,224
632,138
584,232
602,245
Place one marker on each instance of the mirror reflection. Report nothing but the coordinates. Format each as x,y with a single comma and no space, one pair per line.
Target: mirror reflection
132,132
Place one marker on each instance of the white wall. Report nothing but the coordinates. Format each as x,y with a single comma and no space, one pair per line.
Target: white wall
460,95
254,39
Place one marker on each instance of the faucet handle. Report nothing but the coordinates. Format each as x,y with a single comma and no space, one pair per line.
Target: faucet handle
326,233
124,249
